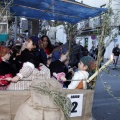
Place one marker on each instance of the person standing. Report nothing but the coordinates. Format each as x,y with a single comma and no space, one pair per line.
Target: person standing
96,52
103,52
85,51
92,52
116,53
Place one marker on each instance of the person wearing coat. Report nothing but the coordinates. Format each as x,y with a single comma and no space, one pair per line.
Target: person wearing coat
5,67
116,53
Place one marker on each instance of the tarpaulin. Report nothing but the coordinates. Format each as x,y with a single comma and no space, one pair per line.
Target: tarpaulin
60,10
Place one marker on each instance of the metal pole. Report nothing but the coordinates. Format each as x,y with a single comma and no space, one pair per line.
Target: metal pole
15,29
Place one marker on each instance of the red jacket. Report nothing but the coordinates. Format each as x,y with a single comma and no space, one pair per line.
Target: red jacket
3,82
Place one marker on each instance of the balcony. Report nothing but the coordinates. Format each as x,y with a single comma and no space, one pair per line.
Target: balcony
90,26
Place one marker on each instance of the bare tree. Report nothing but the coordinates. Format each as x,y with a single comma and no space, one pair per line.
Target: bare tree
107,29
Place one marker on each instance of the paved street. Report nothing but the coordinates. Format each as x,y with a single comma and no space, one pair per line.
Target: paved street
105,106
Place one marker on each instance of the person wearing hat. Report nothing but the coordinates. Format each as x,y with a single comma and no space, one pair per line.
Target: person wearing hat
5,68
58,68
57,52
85,65
31,52
30,61
28,55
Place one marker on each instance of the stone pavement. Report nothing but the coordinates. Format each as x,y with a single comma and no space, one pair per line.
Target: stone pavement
105,106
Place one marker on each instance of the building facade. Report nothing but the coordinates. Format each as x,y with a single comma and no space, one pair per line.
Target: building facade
90,29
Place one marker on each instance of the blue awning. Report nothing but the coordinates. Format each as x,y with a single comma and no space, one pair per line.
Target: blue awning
61,10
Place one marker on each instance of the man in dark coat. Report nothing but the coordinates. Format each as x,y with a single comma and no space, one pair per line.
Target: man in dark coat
116,52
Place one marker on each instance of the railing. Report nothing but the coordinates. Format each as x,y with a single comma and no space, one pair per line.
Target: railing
91,23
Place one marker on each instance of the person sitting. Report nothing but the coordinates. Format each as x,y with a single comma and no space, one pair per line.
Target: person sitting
30,64
85,65
59,70
5,68
14,58
58,66
48,48
42,53
28,73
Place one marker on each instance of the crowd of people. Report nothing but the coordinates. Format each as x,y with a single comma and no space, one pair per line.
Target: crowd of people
37,56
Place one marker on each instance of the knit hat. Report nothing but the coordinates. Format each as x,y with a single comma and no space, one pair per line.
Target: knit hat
57,53
3,51
89,61
35,40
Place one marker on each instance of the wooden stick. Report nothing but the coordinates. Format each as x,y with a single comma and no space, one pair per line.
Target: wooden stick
101,69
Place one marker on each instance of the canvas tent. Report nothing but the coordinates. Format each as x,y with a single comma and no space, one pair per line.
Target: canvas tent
60,10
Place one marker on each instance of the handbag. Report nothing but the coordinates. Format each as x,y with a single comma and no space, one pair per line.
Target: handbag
3,81
82,84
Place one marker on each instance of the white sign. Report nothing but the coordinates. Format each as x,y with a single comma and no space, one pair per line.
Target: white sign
77,102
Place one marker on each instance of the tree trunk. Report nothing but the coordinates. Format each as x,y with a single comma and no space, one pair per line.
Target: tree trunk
33,27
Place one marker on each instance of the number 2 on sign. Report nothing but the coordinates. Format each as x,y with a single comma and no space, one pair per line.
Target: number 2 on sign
74,104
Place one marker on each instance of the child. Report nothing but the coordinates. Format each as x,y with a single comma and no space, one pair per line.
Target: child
5,68
69,74
14,59
58,69
22,81
33,52
85,65
30,53
30,68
